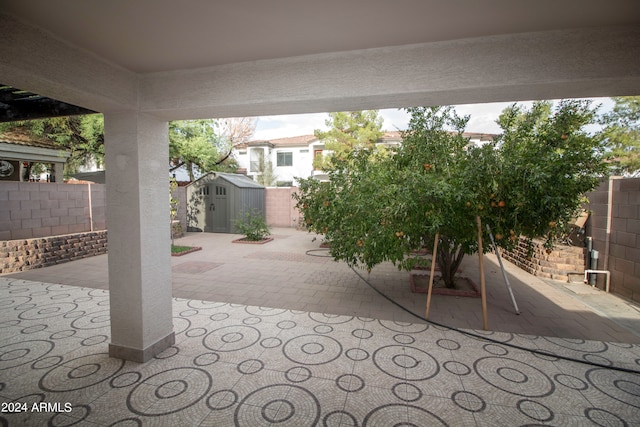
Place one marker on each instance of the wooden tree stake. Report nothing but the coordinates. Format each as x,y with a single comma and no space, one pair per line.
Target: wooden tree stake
434,255
483,290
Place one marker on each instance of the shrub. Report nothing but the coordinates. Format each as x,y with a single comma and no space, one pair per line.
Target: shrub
252,224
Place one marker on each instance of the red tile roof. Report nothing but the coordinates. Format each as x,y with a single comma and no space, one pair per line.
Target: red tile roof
21,137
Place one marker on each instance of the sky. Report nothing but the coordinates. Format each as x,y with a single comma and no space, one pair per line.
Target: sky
483,120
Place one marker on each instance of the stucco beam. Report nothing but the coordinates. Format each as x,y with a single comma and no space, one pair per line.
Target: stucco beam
556,64
34,60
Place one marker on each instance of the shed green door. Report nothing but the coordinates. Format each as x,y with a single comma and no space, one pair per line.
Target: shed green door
219,209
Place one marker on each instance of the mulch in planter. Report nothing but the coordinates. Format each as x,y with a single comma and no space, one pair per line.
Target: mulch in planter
420,284
253,242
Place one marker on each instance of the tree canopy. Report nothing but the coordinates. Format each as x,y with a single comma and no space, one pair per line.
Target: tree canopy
622,135
82,135
349,131
199,145
529,181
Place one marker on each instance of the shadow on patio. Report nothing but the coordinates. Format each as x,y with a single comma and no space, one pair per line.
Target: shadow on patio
268,335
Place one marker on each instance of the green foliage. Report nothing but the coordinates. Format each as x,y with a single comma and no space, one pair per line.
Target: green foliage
173,206
379,207
549,162
82,135
197,145
252,225
622,135
266,175
173,202
193,143
175,249
349,131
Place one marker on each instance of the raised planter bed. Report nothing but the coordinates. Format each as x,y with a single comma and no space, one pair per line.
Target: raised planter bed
419,281
253,242
188,251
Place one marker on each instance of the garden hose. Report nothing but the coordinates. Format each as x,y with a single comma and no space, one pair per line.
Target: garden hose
312,252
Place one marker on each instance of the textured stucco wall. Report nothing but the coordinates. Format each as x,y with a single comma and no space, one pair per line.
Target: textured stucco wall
280,207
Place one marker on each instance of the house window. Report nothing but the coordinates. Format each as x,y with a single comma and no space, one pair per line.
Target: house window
257,160
317,159
285,158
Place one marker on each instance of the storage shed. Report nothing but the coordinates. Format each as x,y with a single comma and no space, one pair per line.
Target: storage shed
217,199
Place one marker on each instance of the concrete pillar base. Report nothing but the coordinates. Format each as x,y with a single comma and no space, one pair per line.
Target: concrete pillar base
142,356
140,288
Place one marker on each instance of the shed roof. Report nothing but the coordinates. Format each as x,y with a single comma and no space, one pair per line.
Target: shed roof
235,179
238,180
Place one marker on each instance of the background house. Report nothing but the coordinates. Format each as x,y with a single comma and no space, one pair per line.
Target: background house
292,158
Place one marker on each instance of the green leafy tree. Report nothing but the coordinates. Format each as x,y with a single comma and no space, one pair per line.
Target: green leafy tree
82,135
349,131
378,207
266,175
174,204
197,145
622,134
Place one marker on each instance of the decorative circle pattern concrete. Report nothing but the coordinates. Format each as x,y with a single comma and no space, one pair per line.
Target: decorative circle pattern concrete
312,349
240,365
276,404
514,376
406,363
169,391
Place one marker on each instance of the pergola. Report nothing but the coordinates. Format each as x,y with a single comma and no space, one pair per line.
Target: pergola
20,150
146,62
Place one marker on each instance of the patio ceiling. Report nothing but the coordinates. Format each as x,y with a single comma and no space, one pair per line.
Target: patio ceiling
249,57
147,36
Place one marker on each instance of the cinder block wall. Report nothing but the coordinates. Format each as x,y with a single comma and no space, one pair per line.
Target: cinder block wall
624,235
33,209
280,207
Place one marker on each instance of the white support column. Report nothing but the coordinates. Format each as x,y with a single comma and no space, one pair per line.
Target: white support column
137,155
58,172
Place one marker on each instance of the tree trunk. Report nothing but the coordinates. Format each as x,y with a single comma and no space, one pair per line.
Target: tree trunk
190,170
449,259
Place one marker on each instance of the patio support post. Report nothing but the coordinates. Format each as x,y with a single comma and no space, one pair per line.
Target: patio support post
483,288
58,172
137,155
434,257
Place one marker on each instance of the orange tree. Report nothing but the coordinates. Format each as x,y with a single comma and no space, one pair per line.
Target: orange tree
381,206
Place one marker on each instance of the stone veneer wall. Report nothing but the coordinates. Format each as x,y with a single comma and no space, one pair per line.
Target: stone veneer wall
20,255
557,264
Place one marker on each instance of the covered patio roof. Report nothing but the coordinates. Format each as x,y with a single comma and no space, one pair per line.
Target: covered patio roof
17,105
146,62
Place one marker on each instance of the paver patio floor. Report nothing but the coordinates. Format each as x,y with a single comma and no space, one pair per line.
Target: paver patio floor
352,360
